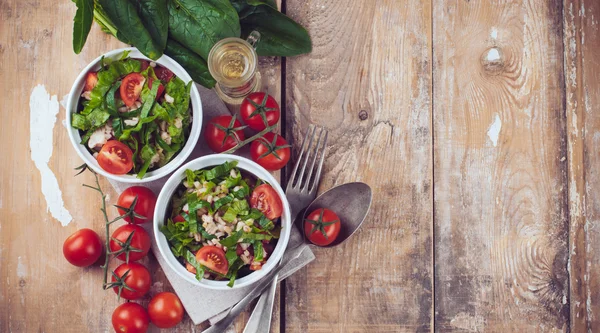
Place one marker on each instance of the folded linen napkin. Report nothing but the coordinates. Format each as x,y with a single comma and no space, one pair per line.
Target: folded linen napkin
201,303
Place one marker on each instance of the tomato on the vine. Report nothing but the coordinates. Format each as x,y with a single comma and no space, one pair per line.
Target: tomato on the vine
265,198
132,240
83,248
130,318
271,151
322,226
115,157
144,206
223,133
165,310
259,110
138,278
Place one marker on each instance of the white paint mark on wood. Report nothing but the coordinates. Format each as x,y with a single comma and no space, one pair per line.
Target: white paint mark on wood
494,130
64,100
494,33
42,117
21,269
464,321
493,54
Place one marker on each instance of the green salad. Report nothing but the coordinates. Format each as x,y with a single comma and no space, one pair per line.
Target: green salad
223,223
134,115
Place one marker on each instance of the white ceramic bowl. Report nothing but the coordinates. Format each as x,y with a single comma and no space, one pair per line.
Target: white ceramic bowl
164,200
164,61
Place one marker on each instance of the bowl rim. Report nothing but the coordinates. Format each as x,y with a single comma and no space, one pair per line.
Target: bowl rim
184,153
163,202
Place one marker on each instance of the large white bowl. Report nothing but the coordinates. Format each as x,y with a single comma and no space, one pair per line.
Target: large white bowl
164,200
187,149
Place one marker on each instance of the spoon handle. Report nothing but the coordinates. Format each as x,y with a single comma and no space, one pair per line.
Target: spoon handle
222,325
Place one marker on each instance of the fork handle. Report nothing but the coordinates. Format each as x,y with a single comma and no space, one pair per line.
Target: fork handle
260,320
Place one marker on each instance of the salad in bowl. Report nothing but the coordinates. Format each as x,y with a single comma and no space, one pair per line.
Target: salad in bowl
222,224
132,119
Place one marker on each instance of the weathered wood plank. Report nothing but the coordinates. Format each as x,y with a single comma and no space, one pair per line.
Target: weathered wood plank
500,170
582,68
368,81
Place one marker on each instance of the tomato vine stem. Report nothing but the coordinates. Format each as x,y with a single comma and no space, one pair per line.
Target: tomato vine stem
250,139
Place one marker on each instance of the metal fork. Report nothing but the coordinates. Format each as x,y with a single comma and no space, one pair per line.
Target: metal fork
301,191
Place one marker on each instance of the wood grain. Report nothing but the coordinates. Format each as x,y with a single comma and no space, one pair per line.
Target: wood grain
368,81
500,170
582,68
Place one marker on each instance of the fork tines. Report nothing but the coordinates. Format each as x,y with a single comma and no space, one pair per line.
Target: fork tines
308,180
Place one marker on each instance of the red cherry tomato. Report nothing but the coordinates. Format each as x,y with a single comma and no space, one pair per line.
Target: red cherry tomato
265,198
83,248
223,133
144,64
137,279
257,108
271,151
178,218
115,157
165,310
140,240
131,88
91,80
146,200
130,318
163,74
322,226
161,88
213,258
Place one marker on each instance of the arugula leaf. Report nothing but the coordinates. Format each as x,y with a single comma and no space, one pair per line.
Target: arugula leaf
193,63
82,23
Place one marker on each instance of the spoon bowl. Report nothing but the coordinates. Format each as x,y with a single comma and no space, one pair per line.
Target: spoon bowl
351,203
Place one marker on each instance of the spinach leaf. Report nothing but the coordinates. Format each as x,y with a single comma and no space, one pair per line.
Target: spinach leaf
199,24
155,18
80,122
124,16
191,258
233,269
280,35
146,156
97,118
82,23
243,7
106,77
111,103
193,63
259,251
144,119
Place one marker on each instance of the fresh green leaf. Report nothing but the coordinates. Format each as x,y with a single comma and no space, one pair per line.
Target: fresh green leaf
80,122
111,103
232,239
97,118
221,170
191,258
259,251
146,156
144,118
193,63
233,269
82,23
155,18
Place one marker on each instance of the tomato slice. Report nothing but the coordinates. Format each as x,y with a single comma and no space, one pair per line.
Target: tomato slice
213,258
163,74
131,88
91,80
178,218
265,199
161,88
115,157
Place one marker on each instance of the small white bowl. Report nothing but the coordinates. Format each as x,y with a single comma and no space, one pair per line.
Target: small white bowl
162,207
165,61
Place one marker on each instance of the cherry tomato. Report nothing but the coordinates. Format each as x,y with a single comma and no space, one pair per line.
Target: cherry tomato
146,200
137,279
178,218
213,258
265,199
140,240
223,133
271,151
115,157
83,248
91,80
130,318
165,310
161,88
322,226
163,74
258,108
144,64
131,88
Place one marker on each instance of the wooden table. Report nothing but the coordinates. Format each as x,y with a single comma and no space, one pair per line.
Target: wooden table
476,123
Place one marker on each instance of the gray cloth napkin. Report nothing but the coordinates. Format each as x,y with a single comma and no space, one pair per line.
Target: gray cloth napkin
201,303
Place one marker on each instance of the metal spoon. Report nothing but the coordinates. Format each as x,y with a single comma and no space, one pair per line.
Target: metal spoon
351,202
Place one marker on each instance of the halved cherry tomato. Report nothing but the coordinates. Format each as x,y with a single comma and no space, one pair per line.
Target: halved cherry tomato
146,201
178,218
91,80
271,151
137,279
223,133
161,88
163,74
258,108
83,248
115,157
165,310
130,318
213,258
131,88
265,199
140,241
322,226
